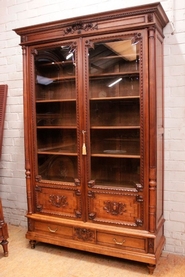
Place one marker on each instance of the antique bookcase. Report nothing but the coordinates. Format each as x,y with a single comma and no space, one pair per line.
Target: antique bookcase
93,115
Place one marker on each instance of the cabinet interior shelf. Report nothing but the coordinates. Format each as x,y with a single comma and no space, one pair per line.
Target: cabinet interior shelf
115,98
116,156
59,79
115,127
55,100
115,74
61,153
92,99
57,127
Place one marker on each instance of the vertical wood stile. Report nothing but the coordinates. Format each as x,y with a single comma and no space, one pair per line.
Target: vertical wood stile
26,130
152,132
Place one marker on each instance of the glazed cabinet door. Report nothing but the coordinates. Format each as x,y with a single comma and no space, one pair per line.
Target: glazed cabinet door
116,133
57,120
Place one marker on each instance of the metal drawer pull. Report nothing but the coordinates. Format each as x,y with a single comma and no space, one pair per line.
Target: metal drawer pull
118,243
52,231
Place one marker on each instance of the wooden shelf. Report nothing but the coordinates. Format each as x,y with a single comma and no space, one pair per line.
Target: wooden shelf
54,100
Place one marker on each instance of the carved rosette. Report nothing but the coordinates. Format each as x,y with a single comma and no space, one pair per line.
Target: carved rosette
84,234
137,37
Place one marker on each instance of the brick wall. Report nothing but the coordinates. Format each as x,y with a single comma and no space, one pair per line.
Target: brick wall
14,14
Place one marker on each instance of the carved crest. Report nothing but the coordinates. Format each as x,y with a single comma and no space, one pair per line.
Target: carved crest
79,27
84,234
115,208
58,200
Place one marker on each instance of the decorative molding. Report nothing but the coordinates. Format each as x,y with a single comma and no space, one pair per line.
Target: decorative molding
38,189
39,208
139,222
92,216
139,187
139,198
28,173
91,183
78,192
90,194
77,182
38,178
78,214
136,38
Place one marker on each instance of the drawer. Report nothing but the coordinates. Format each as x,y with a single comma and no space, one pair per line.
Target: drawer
121,241
55,229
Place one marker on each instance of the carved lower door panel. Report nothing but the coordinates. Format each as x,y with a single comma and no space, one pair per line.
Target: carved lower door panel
65,202
123,209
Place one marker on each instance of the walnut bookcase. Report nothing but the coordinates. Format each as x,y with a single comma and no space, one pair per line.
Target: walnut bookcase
93,110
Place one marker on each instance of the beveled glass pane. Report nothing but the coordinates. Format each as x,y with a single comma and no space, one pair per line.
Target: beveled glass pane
58,168
55,94
115,172
115,113
115,142
56,114
56,141
114,96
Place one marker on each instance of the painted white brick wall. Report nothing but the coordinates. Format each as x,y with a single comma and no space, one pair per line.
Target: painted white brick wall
19,13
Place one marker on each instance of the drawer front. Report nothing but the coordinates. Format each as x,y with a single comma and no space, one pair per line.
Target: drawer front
117,209
121,241
59,202
53,229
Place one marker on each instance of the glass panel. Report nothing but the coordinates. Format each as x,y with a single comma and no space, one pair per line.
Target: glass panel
115,172
115,142
56,140
55,91
56,114
58,168
115,112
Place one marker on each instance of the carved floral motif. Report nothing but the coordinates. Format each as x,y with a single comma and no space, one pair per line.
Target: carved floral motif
58,200
115,208
78,27
84,234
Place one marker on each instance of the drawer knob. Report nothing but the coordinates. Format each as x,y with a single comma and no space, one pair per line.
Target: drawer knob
118,243
52,231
